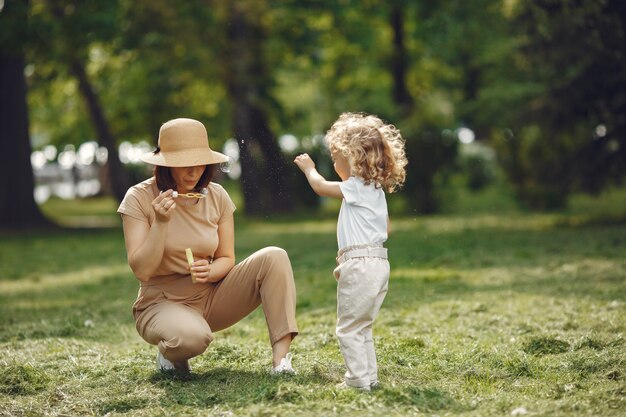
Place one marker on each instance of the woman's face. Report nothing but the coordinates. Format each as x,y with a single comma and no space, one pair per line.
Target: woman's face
341,165
187,177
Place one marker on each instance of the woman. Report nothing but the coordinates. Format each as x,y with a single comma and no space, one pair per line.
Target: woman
180,208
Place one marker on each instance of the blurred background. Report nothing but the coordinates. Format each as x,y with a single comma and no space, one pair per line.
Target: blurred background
502,103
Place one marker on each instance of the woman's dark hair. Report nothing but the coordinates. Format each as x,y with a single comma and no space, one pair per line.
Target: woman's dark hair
165,181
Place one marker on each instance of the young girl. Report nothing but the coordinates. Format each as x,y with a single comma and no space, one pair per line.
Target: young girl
368,156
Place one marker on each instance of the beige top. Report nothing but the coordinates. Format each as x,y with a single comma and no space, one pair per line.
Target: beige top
192,226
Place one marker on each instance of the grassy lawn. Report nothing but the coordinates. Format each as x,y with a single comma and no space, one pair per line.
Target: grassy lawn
489,313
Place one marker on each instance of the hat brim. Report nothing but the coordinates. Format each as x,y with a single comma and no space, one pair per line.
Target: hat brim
184,158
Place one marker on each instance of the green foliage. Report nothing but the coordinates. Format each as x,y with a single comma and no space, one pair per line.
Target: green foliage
144,60
477,164
570,132
539,172
478,173
430,151
13,31
550,72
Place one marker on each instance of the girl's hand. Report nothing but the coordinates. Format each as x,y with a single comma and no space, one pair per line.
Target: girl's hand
304,162
201,269
163,206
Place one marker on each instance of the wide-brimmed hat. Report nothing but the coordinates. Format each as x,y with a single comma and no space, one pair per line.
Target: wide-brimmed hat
183,143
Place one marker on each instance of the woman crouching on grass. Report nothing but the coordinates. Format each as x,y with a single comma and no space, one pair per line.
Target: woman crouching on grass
180,304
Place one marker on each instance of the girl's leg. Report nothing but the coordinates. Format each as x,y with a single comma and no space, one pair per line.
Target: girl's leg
358,301
266,278
353,308
372,367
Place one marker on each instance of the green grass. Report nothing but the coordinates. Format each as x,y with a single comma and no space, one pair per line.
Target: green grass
487,312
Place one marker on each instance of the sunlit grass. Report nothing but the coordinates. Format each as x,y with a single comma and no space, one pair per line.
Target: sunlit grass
487,313
87,212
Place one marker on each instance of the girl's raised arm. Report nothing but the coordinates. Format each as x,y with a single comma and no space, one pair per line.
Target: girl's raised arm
316,181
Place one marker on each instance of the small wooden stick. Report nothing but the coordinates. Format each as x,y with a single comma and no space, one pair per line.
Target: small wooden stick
190,262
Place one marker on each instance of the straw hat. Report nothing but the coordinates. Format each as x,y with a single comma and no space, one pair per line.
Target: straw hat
183,143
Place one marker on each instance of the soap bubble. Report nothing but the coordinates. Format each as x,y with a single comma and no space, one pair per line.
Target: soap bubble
225,166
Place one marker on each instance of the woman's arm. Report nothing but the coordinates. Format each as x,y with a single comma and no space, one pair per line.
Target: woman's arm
145,243
224,257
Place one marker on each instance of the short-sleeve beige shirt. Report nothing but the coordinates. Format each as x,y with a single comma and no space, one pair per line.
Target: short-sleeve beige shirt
193,226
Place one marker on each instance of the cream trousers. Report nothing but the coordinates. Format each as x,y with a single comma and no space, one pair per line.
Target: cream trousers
180,317
362,283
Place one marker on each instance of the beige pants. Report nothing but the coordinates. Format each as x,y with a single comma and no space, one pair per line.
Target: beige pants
180,317
363,278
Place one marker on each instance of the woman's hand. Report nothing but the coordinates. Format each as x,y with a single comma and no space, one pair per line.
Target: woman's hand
201,269
164,205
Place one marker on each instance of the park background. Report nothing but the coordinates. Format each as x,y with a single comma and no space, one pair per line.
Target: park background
507,294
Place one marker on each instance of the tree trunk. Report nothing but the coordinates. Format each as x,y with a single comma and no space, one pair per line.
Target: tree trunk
120,181
246,77
18,209
249,166
399,62
118,177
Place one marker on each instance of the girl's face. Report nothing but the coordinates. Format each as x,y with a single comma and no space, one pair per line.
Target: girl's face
187,177
341,165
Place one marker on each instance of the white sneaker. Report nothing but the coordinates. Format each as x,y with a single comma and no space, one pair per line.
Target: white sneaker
343,385
284,367
162,363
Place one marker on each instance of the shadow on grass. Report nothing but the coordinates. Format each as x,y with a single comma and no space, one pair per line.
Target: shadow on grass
234,387
121,405
425,399
238,388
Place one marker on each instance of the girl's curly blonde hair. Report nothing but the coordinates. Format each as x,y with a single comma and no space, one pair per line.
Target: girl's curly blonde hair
374,150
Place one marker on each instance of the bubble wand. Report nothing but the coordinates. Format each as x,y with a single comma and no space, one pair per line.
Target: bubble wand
224,167
175,194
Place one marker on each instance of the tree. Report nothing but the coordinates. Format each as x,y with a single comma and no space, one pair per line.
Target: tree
68,17
17,204
399,60
264,179
430,145
571,134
